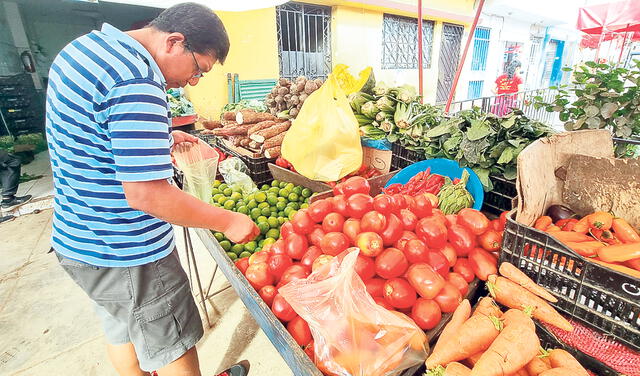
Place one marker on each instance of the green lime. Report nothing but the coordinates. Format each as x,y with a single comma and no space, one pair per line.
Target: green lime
261,243
229,204
275,183
217,196
250,197
297,190
306,193
292,214
216,183
288,210
219,236
221,200
290,186
252,204
272,199
268,241
263,205
244,254
226,245
274,190
273,233
237,249
266,211
294,205
261,219
265,187
250,247
274,210
227,192
281,220
255,213
282,184
264,227
306,200
281,213
282,199
293,196
215,191
223,186
236,196
232,256
260,197
258,249
243,209
304,206
281,205
284,192
273,222
236,188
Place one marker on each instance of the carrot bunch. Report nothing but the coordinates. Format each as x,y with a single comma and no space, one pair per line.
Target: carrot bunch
600,237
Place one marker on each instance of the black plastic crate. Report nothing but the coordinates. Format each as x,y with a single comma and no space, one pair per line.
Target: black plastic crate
258,167
597,296
501,197
402,157
206,137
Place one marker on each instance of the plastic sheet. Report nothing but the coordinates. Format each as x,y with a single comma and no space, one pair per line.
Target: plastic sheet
236,173
199,167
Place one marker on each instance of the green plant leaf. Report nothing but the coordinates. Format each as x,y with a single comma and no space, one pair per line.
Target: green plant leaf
479,129
608,109
506,156
497,323
591,111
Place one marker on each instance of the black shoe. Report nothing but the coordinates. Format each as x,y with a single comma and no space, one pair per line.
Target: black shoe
6,218
16,201
234,370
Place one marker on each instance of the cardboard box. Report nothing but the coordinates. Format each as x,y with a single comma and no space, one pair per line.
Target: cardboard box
376,158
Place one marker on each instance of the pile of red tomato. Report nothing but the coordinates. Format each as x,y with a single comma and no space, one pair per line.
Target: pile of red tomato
413,259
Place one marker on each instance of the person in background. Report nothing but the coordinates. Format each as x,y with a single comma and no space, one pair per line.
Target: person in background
108,129
507,83
10,179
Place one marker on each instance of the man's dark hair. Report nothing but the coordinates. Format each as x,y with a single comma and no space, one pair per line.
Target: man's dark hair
203,31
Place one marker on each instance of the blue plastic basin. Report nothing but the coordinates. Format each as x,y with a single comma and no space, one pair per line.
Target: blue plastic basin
444,167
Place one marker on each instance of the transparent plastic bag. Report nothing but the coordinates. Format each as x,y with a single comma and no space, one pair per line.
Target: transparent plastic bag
236,173
352,335
199,166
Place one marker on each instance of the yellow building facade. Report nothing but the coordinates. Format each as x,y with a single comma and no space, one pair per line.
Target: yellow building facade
356,40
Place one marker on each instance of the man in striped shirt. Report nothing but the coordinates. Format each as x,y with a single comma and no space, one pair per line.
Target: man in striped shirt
108,127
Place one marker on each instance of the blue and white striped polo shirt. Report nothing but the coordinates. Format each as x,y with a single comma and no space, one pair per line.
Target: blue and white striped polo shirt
107,123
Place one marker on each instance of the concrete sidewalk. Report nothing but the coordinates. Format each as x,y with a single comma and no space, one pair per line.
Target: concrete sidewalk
48,327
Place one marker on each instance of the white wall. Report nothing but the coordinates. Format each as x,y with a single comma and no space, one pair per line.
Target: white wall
9,60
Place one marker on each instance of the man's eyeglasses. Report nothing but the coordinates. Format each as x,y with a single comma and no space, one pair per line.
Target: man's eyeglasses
200,72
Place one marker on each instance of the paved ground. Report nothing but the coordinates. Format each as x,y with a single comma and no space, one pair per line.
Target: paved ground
48,327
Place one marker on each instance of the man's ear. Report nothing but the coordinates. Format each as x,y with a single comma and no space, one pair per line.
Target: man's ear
174,43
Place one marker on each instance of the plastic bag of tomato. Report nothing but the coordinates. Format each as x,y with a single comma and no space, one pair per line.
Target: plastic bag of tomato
413,259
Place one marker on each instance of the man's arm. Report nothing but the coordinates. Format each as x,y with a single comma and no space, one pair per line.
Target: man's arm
167,202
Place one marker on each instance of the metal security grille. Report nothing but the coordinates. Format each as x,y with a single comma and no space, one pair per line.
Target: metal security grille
475,89
399,42
304,44
480,49
531,70
448,61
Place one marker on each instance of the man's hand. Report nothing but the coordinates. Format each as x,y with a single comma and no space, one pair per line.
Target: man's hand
241,229
180,136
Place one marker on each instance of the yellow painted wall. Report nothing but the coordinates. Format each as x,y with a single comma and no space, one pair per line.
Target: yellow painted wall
253,55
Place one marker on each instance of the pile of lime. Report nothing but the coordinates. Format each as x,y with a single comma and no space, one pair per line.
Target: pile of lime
270,207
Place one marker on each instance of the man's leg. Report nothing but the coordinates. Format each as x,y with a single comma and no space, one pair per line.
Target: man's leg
10,178
186,365
124,360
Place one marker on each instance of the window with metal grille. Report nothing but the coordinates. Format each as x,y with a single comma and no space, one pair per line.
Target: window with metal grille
399,42
304,44
480,49
475,89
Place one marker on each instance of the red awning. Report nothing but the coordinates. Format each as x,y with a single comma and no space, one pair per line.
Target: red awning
592,40
619,16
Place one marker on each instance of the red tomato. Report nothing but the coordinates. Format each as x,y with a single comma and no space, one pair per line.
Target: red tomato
278,264
278,248
449,298
334,243
503,220
320,262
473,220
416,251
267,293
399,293
425,280
392,232
409,200
421,206
356,184
373,222
340,205
383,303
450,254
458,281
426,313
301,222
351,228
438,262
258,275
310,256
432,232
316,235
296,245
408,219
365,267
391,263
282,309
482,263
383,204
299,330
461,239
292,273
359,204
333,222
319,209
242,264
404,238
370,243
439,216
452,219
490,241
495,225
375,287
463,267
400,202
433,199
338,189
259,257
308,349
285,230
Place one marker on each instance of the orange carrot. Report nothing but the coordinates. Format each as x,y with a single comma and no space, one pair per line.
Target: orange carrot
516,275
473,359
536,366
515,296
542,223
585,249
460,315
514,347
582,226
553,228
569,225
457,369
561,358
487,307
634,264
474,336
601,220
562,371
621,252
566,236
624,231
620,268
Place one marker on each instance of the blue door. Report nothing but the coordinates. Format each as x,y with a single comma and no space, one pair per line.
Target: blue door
556,71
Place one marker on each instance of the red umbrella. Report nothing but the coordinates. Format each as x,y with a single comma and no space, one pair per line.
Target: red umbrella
620,16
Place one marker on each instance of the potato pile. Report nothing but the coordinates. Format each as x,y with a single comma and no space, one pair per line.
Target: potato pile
289,96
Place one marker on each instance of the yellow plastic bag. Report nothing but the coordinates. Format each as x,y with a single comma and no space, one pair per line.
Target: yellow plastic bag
323,142
348,83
